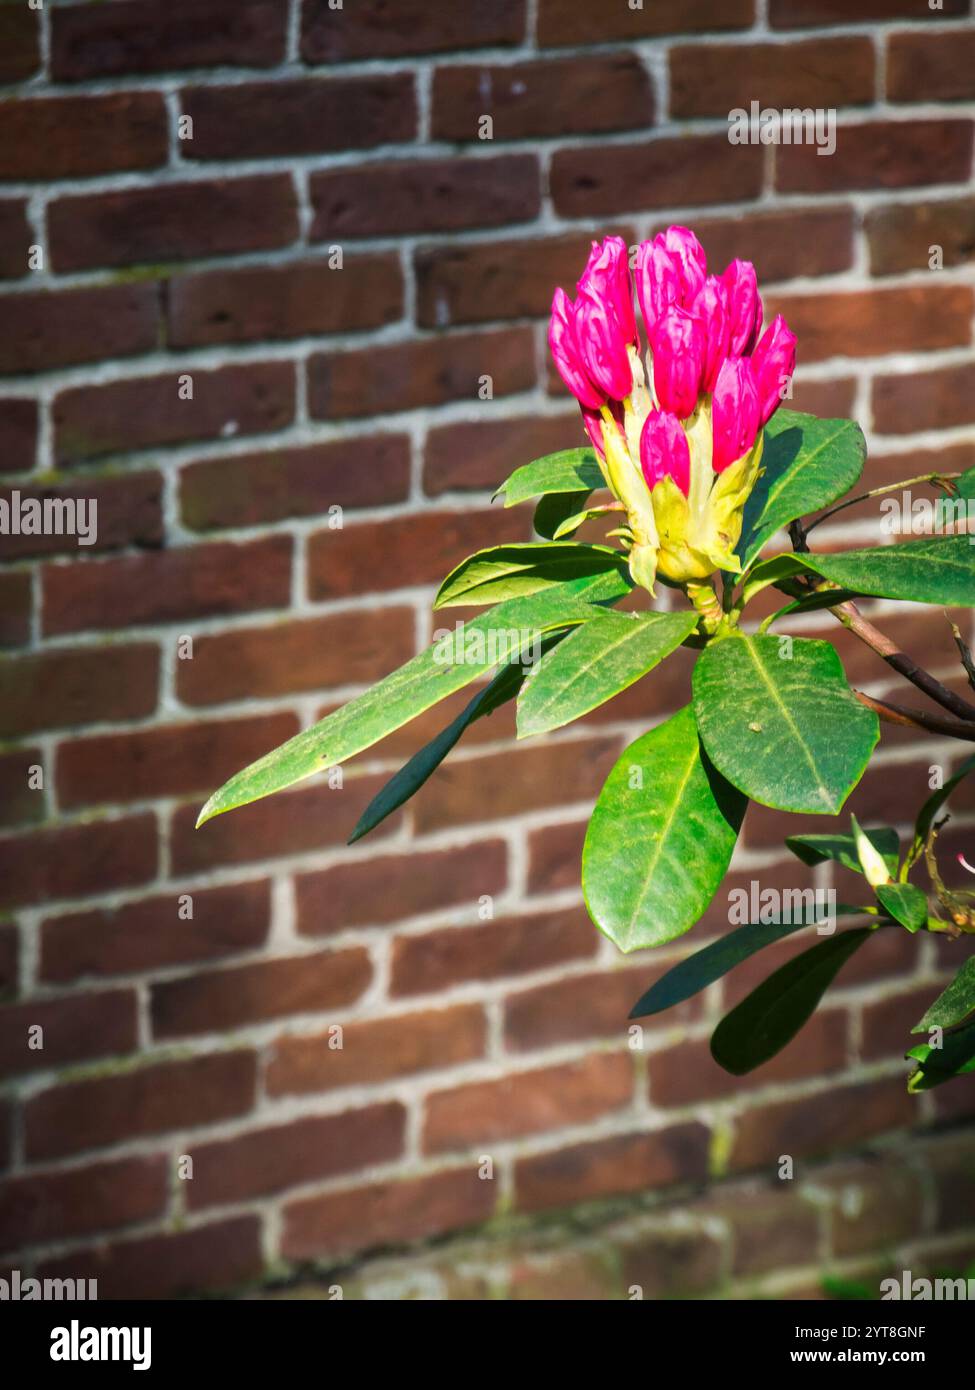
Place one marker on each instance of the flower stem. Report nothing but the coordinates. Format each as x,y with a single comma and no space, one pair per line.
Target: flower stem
707,603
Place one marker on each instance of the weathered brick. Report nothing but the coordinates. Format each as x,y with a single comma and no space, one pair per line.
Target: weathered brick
61,328
150,933
9,984
267,120
424,195
36,1208
377,1050
19,801
781,244
307,654
913,401
607,1167
75,1029
15,609
272,1159
216,1000
129,513
430,371
555,856
146,412
436,960
870,323
77,860
711,79
286,301
904,236
135,36
879,154
691,170
20,48
16,238
367,891
388,1213
18,435
831,400
673,1264
834,1119
873,1205
148,1100
476,456
172,222
887,1023
563,22
70,137
769,1230
931,67
188,582
799,14
595,1005
84,685
372,31
168,760
561,96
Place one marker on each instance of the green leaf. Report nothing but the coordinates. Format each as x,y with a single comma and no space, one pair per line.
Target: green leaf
936,1065
572,523
771,1016
929,811
556,509
781,723
660,838
816,849
577,676
965,485
690,976
905,903
570,470
954,1004
512,571
934,569
488,640
808,463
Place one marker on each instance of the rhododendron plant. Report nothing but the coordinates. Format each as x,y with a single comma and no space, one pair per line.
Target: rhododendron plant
700,467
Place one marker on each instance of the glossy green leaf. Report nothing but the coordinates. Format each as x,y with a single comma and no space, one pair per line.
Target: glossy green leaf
577,676
557,508
512,571
780,722
816,849
929,812
570,470
905,903
808,463
660,838
936,1065
489,640
572,523
954,1004
770,1017
934,569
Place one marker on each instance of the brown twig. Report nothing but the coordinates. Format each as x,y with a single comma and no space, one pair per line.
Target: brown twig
934,478
852,619
918,719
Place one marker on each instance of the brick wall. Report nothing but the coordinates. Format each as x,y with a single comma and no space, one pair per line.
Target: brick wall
316,387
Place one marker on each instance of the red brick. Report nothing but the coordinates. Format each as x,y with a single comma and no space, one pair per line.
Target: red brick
873,1206
217,1000
887,1023
489,951
693,169
9,977
431,371
78,860
286,301
417,549
370,30
607,1167
377,1050
870,323
213,1257
387,1213
562,22
188,582
424,195
19,801
931,67
915,401
137,36
70,137
798,14
40,1207
290,657
84,685
168,760
494,785
674,1264
76,1028
367,891
555,857
596,1005
150,933
145,412
879,154
249,489
711,79
16,237
270,1160
18,435
901,235
783,244
172,222
149,1100
561,96
834,1119
20,50
476,456
129,513
61,328
267,120
769,1230
528,1102
831,400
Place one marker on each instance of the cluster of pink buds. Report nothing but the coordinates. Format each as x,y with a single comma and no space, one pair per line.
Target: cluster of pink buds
678,434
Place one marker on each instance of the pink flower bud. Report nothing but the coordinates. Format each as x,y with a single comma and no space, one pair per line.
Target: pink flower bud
688,255
734,412
711,307
593,424
657,282
608,275
744,306
563,341
664,451
602,343
773,362
678,360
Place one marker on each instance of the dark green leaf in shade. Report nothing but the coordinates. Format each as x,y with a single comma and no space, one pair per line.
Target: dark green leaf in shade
936,1065
817,849
954,1004
905,903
